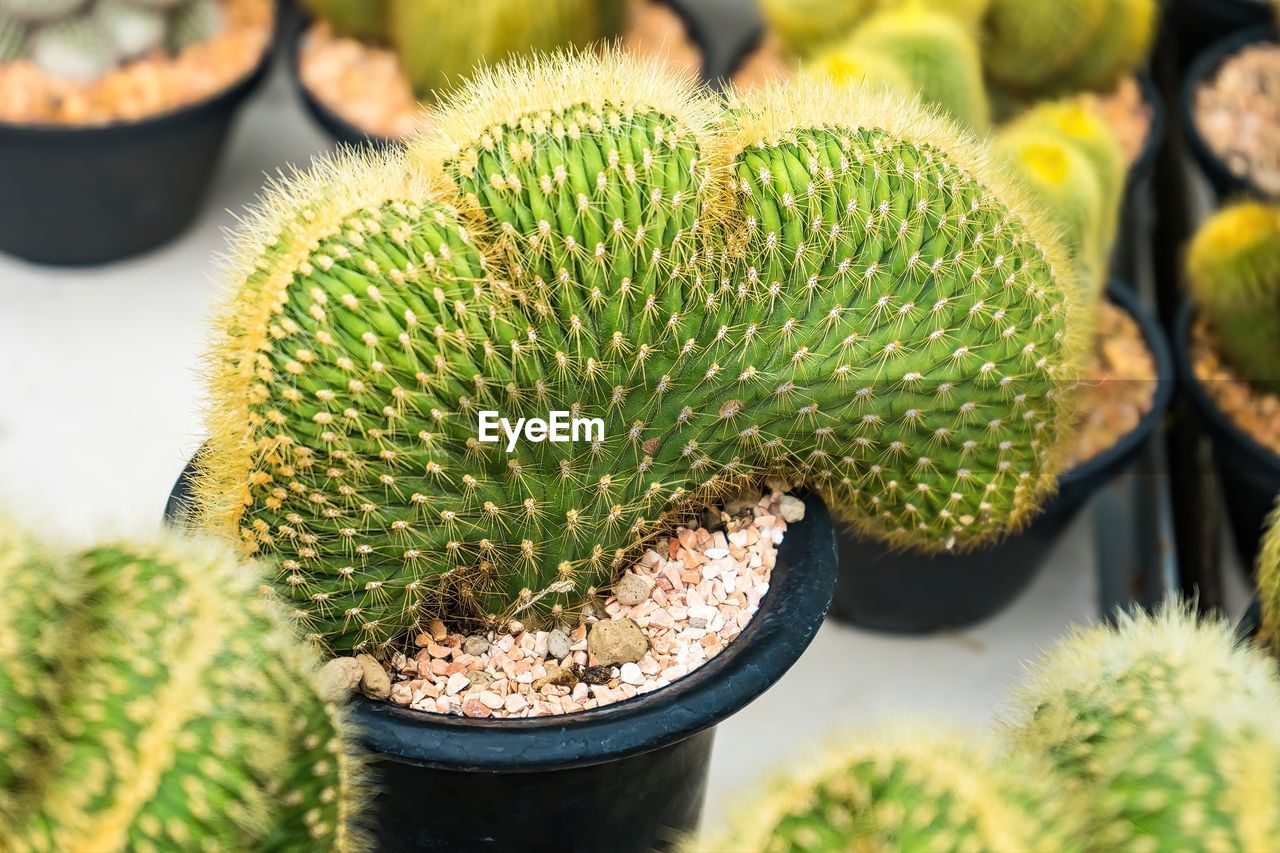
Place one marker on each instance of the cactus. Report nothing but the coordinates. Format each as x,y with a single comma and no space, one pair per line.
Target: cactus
40,11
1118,47
1267,574
967,12
938,56
572,247
358,19
803,26
846,67
75,49
193,22
1029,44
1233,268
188,715
1164,726
13,39
911,790
132,29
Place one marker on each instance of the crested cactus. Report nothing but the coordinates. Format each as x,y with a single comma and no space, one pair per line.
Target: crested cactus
836,288
1028,44
188,715
915,790
936,54
1164,726
1233,268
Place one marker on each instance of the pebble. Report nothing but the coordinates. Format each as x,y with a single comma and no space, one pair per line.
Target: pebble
437,631
1238,113
374,681
339,677
701,589
791,509
631,589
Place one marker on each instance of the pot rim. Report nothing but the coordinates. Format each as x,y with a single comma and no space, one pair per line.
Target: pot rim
1203,66
1220,425
1144,166
239,89
788,618
350,134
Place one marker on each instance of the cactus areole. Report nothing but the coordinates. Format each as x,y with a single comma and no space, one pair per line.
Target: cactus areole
810,284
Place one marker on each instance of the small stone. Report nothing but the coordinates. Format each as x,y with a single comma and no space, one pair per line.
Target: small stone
437,651
437,630
475,708
556,676
558,645
477,678
597,675
515,703
456,684
631,589
374,681
616,641
491,700
475,645
631,674
339,677
791,509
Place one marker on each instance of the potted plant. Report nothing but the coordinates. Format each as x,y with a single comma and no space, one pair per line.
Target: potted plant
1230,116
1227,354
366,70
113,116
591,234
151,697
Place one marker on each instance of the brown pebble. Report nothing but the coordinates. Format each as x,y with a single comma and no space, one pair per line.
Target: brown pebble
437,630
475,708
339,677
475,645
597,675
615,641
557,676
374,681
477,678
631,589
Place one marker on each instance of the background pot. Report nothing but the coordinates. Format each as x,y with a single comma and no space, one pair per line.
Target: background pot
1225,183
1199,23
902,592
78,195
1249,472
627,777
347,133
1133,236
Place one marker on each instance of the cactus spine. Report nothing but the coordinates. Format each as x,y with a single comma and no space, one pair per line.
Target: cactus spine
187,714
1165,727
1233,267
909,791
857,306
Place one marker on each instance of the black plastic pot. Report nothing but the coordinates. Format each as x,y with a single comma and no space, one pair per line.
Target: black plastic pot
1226,183
1249,472
627,777
347,133
1199,23
1132,235
76,196
908,593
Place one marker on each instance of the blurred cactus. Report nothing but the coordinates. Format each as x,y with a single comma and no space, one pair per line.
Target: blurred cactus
1233,267
84,42
936,55
861,309
803,26
1165,726
1119,46
171,708
1029,44
914,790
1267,574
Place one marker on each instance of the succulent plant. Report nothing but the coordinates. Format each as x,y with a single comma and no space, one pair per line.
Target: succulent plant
1121,44
174,708
1028,44
1233,268
1165,726
911,790
859,306
846,67
936,54
1267,579
805,25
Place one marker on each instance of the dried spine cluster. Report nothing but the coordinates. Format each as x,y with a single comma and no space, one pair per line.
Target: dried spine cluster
814,284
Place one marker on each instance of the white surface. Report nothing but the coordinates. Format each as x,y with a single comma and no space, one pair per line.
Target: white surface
99,410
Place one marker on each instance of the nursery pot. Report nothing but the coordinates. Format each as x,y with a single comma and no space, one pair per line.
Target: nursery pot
80,195
909,593
1226,184
1198,23
1249,472
346,133
626,777
1133,233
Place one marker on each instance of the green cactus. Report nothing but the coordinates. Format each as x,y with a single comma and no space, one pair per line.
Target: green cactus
188,716
40,11
193,22
1267,574
74,49
968,12
912,790
861,308
1118,47
803,26
1029,44
13,39
132,29
1164,725
938,56
358,19
846,67
1233,268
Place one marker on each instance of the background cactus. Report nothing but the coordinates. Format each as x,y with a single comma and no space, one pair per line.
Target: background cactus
1233,268
83,42
1165,726
1029,44
1119,46
805,25
187,715
858,307
913,790
937,55
1267,575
